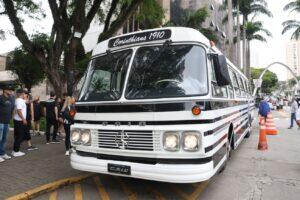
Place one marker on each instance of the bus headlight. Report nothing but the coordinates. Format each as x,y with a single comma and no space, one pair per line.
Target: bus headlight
171,141
191,141
75,137
86,137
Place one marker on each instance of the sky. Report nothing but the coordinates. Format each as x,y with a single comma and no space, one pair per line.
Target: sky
262,54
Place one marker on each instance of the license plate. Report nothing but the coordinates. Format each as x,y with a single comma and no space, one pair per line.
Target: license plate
119,169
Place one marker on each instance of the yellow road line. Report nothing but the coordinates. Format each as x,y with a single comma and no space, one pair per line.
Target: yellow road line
53,195
102,192
77,192
199,190
131,195
157,194
48,187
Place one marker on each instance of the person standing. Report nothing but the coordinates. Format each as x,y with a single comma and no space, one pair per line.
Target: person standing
20,123
29,118
294,108
264,108
6,110
67,118
37,115
51,113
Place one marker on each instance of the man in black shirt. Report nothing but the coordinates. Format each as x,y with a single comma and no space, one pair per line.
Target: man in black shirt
6,110
51,112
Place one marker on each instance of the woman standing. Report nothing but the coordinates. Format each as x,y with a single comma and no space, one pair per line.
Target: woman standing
67,118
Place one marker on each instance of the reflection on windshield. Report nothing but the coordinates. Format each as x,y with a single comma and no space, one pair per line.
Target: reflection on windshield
106,78
161,72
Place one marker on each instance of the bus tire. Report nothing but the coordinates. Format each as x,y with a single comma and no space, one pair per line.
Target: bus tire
228,155
249,126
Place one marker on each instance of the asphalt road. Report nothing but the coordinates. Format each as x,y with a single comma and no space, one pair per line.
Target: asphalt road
250,174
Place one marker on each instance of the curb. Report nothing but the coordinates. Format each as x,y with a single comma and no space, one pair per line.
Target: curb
49,187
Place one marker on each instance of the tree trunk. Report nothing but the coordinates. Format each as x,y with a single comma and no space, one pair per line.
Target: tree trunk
248,64
230,30
238,36
244,47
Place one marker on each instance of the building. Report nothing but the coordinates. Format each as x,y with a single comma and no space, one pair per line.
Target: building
3,62
293,57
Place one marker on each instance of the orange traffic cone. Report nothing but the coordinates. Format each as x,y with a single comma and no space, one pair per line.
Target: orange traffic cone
262,143
270,125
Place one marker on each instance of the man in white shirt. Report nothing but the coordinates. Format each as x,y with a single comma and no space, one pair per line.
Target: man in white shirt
20,122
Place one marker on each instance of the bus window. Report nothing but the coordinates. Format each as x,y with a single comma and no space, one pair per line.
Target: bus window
235,83
241,84
217,91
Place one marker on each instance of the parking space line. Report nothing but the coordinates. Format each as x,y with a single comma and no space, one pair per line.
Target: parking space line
53,195
156,193
77,191
199,190
131,195
102,192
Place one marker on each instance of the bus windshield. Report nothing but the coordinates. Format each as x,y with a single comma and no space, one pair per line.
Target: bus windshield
105,80
172,71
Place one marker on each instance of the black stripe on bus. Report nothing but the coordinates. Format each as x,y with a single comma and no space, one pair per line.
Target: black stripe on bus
175,122
157,107
211,147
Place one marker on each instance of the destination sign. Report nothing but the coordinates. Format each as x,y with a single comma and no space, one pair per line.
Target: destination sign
140,38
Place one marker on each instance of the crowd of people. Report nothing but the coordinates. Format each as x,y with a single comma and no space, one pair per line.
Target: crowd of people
26,113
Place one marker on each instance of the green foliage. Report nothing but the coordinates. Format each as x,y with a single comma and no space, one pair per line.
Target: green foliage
194,19
27,68
293,6
151,14
253,30
270,80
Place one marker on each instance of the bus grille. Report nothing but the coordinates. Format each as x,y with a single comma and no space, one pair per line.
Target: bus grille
125,139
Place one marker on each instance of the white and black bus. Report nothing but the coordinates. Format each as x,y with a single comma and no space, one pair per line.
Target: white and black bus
161,104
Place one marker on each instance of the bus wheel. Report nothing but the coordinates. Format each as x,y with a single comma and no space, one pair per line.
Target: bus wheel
228,155
249,126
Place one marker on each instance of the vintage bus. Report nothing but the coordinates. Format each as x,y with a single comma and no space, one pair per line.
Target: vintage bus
161,104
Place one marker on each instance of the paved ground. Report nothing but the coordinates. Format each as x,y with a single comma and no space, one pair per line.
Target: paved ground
36,168
250,174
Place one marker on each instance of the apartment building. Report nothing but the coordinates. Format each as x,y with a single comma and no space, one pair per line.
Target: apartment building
293,57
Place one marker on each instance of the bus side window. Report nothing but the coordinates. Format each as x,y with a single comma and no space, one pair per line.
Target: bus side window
235,83
242,87
217,91
230,87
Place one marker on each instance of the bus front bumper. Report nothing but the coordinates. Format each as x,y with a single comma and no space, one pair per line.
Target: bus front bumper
174,173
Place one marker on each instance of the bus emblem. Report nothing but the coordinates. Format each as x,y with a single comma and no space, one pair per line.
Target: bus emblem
122,140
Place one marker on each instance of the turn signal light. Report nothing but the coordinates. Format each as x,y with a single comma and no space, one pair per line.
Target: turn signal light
196,110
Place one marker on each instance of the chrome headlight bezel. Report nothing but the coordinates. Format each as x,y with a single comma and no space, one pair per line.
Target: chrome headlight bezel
191,135
176,136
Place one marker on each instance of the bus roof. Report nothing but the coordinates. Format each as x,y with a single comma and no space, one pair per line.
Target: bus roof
175,34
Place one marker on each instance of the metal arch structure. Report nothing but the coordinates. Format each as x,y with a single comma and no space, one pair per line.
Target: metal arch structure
270,65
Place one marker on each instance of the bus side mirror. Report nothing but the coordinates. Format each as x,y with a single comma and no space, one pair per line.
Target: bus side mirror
221,69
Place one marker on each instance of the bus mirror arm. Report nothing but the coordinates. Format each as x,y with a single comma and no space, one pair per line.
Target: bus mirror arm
221,69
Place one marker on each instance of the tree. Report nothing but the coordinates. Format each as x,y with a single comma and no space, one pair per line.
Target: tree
195,19
27,67
293,6
270,80
247,8
72,19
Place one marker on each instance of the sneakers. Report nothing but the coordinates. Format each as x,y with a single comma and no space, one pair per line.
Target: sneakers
17,154
1,159
32,148
55,141
5,156
67,153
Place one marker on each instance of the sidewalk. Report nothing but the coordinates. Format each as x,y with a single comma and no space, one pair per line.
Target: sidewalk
36,168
